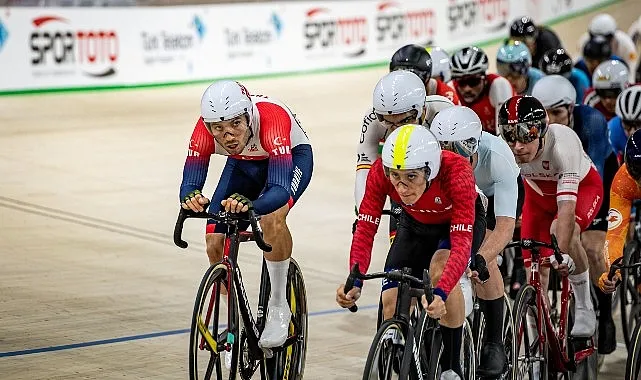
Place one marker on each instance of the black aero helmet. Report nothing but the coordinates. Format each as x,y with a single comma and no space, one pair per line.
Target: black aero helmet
598,48
556,61
522,119
632,155
523,27
413,58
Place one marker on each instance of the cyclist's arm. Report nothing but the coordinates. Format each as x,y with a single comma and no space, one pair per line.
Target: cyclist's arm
460,185
201,147
569,156
581,84
500,92
621,197
369,217
596,128
366,152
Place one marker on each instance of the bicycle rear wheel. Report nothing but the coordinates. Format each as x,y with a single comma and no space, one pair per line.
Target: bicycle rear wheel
211,333
529,360
508,337
633,364
630,297
386,352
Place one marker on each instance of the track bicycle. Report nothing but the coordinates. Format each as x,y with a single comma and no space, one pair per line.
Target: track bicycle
630,290
543,346
210,339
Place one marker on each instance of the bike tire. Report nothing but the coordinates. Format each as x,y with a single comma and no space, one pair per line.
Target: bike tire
468,352
215,275
630,299
508,336
633,363
524,306
431,346
388,342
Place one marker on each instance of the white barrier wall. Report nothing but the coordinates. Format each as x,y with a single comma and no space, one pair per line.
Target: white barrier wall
53,48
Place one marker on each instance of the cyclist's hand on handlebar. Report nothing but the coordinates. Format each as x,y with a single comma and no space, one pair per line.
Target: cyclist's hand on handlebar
237,203
436,309
608,286
565,267
349,299
195,201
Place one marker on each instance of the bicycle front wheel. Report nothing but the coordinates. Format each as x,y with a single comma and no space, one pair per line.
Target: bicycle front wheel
529,359
213,340
630,297
386,353
633,364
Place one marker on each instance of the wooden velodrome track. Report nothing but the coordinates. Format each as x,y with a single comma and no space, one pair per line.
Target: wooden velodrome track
91,285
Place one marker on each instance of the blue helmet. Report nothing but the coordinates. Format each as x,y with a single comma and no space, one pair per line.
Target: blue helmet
632,155
513,57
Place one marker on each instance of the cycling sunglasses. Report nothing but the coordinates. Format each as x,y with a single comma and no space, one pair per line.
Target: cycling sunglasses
608,92
471,81
408,120
510,68
524,133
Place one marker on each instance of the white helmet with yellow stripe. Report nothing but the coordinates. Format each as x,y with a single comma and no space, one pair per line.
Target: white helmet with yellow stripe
412,147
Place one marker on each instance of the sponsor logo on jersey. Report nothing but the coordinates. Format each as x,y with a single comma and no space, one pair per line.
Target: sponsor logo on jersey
253,148
461,228
437,200
369,218
614,219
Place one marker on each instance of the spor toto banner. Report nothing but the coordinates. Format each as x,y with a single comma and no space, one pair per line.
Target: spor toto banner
48,48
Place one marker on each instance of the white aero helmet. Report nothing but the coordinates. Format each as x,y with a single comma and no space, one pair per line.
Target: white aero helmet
628,106
554,91
469,61
602,25
441,65
224,100
435,104
412,147
398,92
611,74
458,129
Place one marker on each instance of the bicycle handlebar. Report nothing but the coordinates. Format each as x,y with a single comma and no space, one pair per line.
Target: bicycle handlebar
220,217
617,265
531,244
394,275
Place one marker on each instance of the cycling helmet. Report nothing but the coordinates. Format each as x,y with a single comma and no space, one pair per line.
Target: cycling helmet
469,61
557,61
603,25
435,104
224,100
523,27
412,147
522,119
440,63
398,92
458,129
513,58
412,58
632,155
597,48
554,91
628,106
611,74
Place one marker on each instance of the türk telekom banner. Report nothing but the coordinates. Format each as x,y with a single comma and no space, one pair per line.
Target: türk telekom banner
52,48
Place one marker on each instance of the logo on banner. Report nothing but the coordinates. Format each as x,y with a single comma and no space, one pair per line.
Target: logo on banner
395,25
165,47
327,33
4,35
243,42
59,48
466,16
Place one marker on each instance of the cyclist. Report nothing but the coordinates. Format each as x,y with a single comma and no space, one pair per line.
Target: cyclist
625,189
563,192
608,80
556,94
269,165
459,130
627,119
441,69
538,38
483,93
604,25
557,61
514,63
441,223
416,59
595,51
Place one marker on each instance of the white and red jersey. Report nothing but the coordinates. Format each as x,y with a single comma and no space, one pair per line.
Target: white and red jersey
438,87
450,199
497,91
560,167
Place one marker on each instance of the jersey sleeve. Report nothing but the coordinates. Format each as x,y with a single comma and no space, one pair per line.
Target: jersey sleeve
448,92
201,147
617,137
581,84
460,186
500,92
369,217
622,193
275,137
596,129
366,153
568,154
504,173
591,98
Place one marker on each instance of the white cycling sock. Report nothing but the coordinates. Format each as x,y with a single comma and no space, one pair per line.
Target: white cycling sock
278,280
581,286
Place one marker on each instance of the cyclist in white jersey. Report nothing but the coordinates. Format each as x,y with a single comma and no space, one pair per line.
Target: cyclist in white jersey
563,192
459,130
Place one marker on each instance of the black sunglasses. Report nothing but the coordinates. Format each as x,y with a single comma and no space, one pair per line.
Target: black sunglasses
469,81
